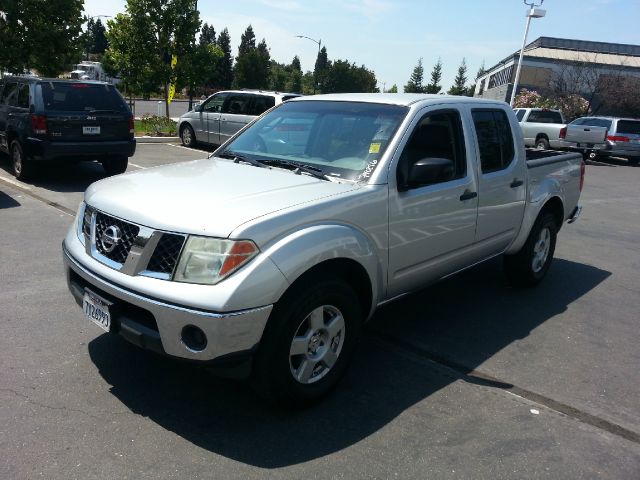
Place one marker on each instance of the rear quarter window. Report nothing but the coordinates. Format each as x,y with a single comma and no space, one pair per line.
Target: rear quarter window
81,97
628,126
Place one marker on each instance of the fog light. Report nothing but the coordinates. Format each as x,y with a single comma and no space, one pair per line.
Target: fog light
194,338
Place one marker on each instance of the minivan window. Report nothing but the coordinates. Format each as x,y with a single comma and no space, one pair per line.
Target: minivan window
81,97
237,103
261,103
520,114
495,141
630,127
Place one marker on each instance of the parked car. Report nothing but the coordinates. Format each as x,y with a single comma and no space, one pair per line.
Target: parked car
541,127
223,114
609,137
53,120
265,259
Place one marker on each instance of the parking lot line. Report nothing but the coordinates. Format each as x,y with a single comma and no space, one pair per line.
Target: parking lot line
26,190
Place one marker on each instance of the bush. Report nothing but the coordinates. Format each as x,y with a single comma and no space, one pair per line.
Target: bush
155,125
571,106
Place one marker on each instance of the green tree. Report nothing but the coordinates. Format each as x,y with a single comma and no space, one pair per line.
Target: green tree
252,63
144,40
459,86
225,66
320,70
96,38
414,85
295,64
40,35
436,77
343,76
207,35
393,89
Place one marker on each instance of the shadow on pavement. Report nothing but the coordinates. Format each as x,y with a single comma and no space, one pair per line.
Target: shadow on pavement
7,201
465,319
62,177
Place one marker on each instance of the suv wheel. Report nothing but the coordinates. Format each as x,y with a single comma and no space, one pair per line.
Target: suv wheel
115,165
187,136
308,343
22,167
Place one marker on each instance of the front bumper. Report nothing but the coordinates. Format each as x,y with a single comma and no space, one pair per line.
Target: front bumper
157,325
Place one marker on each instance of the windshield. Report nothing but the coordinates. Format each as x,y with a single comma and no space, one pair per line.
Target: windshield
339,139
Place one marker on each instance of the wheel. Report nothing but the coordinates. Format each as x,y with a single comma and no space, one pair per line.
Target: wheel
308,342
22,167
187,136
542,144
529,266
115,165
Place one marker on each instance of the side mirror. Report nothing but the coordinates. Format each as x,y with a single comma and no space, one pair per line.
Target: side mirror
197,107
430,170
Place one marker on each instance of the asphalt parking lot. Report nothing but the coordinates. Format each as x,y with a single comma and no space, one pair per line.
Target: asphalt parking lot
470,378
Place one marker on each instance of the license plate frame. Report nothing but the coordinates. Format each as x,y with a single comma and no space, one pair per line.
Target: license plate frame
91,130
97,310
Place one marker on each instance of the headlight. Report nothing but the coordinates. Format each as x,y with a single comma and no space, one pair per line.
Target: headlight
209,260
80,221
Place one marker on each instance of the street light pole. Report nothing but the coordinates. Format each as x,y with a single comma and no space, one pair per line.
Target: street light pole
315,75
533,12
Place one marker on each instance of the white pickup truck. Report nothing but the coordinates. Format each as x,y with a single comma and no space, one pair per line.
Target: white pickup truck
542,128
265,259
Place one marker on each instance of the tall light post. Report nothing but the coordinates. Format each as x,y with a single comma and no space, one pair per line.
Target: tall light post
533,12
315,75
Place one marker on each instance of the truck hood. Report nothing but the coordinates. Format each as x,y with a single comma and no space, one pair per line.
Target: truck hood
207,197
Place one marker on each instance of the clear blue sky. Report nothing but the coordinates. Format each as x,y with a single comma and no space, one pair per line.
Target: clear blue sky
389,37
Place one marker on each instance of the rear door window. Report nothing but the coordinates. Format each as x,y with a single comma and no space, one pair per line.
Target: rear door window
237,103
544,116
82,97
630,127
520,114
495,141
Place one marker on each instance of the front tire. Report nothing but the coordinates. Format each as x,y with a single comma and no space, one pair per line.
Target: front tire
187,136
22,167
308,342
529,266
115,165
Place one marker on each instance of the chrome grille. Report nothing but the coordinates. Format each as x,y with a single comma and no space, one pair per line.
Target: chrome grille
165,256
129,234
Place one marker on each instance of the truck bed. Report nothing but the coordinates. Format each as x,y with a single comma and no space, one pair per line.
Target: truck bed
536,157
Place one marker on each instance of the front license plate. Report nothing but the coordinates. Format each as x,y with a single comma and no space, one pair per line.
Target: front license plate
91,130
96,309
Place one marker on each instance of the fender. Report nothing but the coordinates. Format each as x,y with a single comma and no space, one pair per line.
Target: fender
539,196
303,249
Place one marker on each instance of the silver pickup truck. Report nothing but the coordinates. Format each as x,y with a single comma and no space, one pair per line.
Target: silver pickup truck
264,260
542,128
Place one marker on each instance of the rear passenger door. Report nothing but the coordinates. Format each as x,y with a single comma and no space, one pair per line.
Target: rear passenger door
235,114
8,91
501,181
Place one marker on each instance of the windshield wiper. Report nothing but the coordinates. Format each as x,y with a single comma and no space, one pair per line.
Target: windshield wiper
237,158
300,168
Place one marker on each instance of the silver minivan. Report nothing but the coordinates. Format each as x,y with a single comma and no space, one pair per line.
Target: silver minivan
623,136
223,114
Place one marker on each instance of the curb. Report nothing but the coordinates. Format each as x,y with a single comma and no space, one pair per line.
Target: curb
146,139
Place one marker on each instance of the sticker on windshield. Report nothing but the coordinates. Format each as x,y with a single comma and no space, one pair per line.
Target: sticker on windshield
374,147
368,170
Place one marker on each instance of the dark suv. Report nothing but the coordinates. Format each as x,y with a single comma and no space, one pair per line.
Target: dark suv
44,120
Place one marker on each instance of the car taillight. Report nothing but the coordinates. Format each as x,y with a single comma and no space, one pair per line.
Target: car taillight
563,132
132,127
617,138
583,168
39,124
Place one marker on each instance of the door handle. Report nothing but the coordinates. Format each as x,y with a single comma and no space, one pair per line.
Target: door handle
516,183
468,195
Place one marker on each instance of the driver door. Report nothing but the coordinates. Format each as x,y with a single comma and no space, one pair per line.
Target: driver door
210,118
